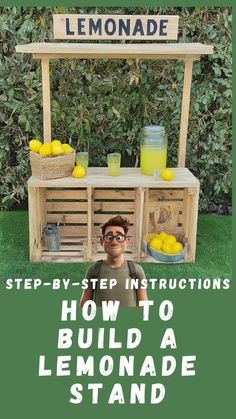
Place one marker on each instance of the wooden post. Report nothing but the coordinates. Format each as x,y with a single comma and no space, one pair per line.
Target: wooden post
89,223
36,220
185,112
46,100
193,216
139,220
186,215
146,212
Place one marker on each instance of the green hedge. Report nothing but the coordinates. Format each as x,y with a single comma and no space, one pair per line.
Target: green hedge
101,105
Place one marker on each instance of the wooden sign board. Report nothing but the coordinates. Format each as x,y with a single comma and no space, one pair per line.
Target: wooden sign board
136,27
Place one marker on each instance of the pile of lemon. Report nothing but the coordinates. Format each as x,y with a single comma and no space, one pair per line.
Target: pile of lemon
55,147
166,243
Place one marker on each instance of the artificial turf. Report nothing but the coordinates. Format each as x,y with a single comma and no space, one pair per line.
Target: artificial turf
213,256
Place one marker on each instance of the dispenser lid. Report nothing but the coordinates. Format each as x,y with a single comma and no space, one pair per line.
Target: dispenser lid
154,129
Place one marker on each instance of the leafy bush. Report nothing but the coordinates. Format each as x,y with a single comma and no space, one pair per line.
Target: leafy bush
101,105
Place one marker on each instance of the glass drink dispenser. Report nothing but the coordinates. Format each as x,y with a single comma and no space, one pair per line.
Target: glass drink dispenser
153,149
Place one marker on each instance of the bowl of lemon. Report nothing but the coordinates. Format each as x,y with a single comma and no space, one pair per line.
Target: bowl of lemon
163,247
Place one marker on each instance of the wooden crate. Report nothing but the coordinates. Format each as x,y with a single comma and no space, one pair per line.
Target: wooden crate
82,205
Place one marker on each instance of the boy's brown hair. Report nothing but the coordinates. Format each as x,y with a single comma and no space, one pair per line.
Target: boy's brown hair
116,221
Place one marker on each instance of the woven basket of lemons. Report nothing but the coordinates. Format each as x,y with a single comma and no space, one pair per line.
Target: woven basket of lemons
51,160
164,247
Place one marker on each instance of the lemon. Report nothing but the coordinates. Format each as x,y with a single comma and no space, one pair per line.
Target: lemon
156,243
45,149
163,235
148,236
35,145
171,239
167,174
177,247
167,248
56,142
67,148
57,149
79,171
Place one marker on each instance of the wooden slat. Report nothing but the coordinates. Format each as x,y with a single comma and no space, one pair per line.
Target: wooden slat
73,239
171,230
102,218
63,253
75,231
166,195
114,194
72,248
153,206
66,194
66,206
67,218
69,248
114,206
81,231
64,259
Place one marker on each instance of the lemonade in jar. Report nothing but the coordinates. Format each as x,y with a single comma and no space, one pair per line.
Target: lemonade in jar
153,149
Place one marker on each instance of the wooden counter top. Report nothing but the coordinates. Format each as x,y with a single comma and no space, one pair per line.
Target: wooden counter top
111,50
130,178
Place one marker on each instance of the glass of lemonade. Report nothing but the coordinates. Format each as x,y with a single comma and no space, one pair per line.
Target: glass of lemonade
82,158
113,162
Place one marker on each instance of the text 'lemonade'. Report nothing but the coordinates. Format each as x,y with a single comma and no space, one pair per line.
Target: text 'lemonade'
153,149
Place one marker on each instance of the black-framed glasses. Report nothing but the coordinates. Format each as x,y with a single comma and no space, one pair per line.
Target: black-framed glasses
120,237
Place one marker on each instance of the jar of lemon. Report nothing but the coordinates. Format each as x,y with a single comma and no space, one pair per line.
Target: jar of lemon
153,149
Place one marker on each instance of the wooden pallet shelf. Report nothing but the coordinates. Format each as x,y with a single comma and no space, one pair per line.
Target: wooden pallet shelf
82,205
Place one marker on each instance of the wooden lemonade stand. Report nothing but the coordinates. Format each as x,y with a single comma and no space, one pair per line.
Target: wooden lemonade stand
81,205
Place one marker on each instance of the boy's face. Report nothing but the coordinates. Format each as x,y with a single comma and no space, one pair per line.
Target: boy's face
114,248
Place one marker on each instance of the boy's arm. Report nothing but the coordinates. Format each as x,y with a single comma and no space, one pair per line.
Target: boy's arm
87,295
141,294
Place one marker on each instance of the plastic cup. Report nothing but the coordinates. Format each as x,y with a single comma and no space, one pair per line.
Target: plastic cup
82,158
113,162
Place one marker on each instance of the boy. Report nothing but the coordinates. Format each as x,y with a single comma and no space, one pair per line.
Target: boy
114,241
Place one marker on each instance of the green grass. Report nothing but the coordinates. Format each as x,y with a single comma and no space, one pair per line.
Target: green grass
213,258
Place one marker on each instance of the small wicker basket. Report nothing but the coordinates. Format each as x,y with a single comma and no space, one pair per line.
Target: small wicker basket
52,167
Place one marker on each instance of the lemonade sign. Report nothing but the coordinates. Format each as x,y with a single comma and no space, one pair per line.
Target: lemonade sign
139,27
